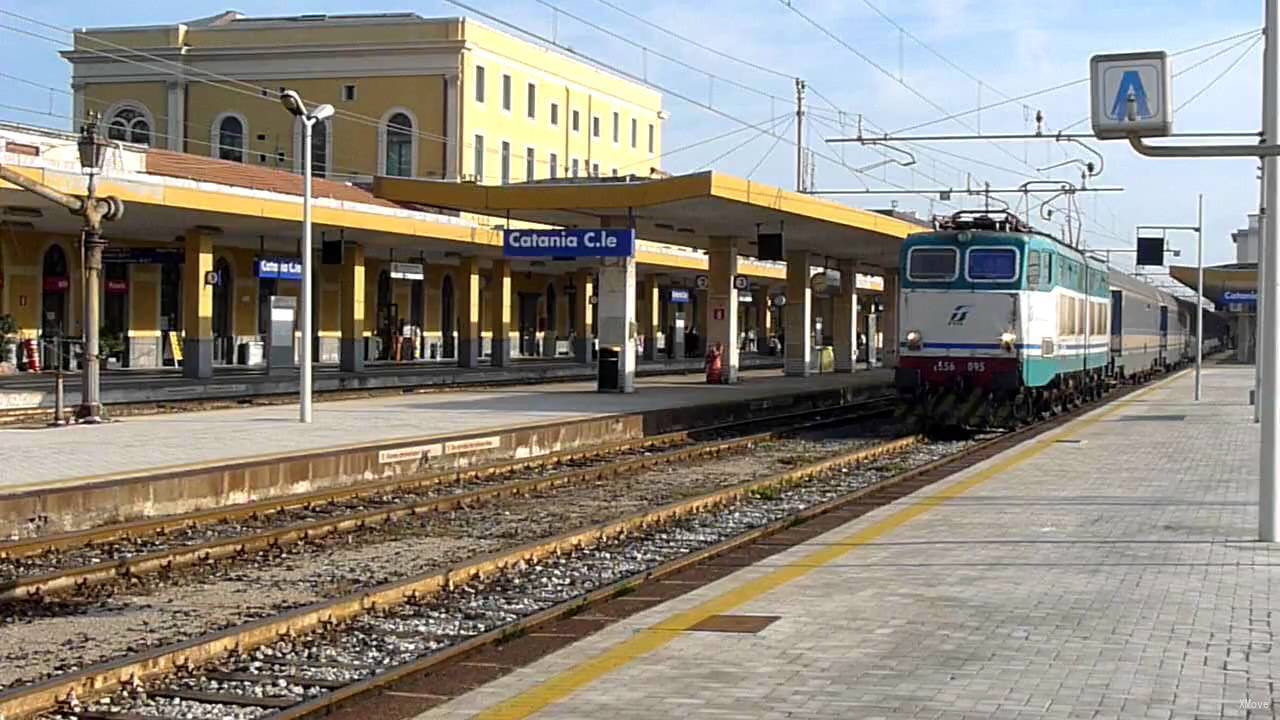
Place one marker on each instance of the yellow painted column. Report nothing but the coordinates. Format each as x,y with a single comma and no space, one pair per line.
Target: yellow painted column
582,315
352,309
649,310
197,304
500,299
469,313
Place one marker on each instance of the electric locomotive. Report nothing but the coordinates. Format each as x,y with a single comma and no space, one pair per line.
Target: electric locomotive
998,323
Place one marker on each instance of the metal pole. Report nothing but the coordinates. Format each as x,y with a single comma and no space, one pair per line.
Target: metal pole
799,135
90,404
1199,290
304,306
1259,319
59,386
1268,529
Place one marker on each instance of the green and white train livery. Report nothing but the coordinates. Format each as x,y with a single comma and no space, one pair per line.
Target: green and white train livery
1000,323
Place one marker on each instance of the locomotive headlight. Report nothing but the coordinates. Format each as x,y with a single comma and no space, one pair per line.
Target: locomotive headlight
914,339
1007,340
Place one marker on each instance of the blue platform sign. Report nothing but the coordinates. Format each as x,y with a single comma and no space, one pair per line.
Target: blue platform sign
1234,297
273,268
679,296
569,242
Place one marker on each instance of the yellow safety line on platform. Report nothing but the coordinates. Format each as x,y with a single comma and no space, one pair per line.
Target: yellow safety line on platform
660,634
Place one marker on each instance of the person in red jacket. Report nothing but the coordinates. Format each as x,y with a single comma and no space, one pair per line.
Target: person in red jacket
712,364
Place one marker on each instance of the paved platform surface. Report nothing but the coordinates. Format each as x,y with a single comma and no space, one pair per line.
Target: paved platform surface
1106,570
46,456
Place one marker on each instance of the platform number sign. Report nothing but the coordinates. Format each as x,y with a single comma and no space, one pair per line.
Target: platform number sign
702,282
1130,95
741,282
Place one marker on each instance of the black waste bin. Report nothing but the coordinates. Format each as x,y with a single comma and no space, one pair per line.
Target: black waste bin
610,369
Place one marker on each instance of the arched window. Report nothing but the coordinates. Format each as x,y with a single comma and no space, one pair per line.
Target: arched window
231,139
128,124
319,149
399,146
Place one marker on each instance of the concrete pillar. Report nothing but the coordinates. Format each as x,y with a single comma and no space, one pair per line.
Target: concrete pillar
722,299
197,304
1244,338
760,306
175,125
468,288
649,311
844,316
889,321
352,309
582,312
617,308
798,315
453,148
500,313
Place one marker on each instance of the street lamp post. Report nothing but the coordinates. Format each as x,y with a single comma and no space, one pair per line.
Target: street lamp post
92,210
293,103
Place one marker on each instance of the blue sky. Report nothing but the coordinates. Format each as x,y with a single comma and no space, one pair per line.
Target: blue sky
1013,47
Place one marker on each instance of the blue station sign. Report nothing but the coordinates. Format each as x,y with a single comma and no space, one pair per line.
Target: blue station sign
274,268
1234,296
569,243
679,296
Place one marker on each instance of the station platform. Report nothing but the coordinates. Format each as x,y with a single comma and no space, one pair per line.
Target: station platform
1107,569
29,391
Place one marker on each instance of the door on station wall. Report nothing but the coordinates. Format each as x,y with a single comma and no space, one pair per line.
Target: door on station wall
448,320
115,312
549,331
388,319
266,288
171,306
417,317
54,303
528,323
223,339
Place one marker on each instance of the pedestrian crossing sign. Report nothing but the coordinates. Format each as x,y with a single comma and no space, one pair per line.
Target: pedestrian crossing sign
1130,95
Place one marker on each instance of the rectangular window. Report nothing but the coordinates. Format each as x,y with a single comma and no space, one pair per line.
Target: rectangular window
615,172
506,162
555,114
1048,269
554,162
574,169
576,125
533,101
349,93
479,158
1033,268
529,159
479,83
506,93
617,128
595,169
1117,313
992,264
635,132
938,263
595,126
651,137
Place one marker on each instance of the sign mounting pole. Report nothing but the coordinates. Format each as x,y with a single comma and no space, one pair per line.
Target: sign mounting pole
1199,289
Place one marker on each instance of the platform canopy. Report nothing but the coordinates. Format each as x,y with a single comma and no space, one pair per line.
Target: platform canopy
682,210
1220,280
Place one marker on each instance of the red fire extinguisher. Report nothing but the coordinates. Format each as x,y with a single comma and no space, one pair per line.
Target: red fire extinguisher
33,357
712,364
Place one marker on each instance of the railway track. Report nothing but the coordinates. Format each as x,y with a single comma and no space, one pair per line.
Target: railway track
306,660
40,567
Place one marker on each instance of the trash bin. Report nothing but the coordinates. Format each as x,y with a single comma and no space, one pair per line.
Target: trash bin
610,369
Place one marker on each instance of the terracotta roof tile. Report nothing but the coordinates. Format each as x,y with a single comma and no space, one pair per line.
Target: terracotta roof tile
223,172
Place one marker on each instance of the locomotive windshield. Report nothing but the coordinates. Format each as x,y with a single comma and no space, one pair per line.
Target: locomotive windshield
926,263
993,264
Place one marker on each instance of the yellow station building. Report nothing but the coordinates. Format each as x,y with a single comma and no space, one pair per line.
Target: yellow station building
206,159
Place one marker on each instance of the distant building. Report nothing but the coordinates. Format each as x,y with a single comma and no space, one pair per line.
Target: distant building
1246,240
445,98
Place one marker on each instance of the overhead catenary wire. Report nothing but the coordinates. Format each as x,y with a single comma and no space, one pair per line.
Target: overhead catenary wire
772,147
